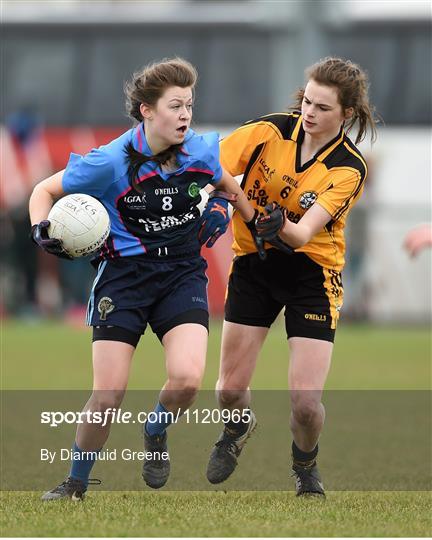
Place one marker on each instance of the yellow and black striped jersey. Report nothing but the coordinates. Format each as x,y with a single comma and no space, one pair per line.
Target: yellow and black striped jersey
267,152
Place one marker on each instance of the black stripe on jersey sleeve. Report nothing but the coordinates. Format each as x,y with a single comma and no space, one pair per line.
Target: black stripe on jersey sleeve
348,201
329,225
252,160
342,157
285,123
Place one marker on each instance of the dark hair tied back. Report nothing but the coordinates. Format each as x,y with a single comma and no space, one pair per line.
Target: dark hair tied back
352,85
148,86
137,159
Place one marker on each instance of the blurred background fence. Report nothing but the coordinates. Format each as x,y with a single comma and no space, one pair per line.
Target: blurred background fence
63,69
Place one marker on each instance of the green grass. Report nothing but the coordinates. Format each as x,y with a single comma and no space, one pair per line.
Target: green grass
54,356
265,514
50,355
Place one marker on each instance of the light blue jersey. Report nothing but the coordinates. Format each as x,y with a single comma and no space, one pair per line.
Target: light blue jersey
165,213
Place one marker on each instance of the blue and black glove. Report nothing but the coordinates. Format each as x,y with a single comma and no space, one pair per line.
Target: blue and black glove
215,218
39,235
270,225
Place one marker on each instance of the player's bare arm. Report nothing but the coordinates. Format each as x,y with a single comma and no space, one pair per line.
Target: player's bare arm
44,195
298,234
275,225
228,183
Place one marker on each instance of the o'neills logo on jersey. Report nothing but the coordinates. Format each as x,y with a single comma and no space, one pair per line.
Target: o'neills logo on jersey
307,198
290,180
137,201
166,191
267,171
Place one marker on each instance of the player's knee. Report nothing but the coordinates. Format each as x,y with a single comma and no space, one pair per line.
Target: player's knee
228,397
305,409
102,400
186,388
187,394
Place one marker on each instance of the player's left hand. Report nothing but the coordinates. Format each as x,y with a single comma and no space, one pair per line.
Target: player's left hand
270,225
258,241
215,218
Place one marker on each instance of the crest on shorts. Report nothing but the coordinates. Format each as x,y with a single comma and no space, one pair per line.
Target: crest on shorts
105,306
307,198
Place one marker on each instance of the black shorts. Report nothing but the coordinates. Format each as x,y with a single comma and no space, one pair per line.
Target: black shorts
131,292
311,294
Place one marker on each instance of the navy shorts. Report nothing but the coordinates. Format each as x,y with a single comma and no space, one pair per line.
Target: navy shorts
131,292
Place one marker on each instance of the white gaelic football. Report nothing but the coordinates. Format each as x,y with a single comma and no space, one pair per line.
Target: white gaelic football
81,222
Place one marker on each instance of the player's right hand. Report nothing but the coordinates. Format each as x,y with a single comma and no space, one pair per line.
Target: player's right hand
39,235
259,242
215,218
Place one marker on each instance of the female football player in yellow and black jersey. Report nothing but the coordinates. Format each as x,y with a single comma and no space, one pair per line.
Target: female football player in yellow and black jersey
302,174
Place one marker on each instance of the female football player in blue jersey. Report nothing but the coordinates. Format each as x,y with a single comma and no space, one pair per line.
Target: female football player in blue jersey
150,269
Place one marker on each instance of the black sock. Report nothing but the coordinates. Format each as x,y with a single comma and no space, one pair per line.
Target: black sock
304,459
240,427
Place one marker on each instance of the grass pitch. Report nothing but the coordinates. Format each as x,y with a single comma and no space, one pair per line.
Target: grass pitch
53,356
219,514
50,355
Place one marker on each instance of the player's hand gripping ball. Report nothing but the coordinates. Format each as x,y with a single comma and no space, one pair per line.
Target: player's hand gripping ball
215,218
77,226
39,235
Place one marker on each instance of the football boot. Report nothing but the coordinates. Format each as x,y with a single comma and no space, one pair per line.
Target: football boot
308,481
71,488
223,459
155,469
